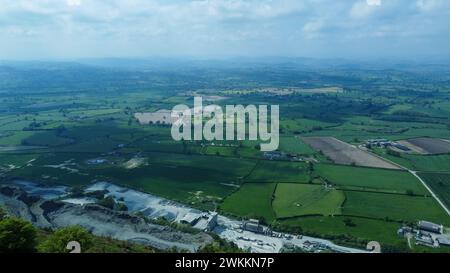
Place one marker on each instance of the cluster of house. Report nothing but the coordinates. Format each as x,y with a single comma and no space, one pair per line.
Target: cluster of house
426,233
384,143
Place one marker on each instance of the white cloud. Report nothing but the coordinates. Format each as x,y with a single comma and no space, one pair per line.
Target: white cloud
429,5
363,9
218,26
73,3
373,2
312,29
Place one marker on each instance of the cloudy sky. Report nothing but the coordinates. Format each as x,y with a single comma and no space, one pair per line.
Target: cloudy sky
31,29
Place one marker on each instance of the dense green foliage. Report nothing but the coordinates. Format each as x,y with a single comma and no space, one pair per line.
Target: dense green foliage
57,242
17,235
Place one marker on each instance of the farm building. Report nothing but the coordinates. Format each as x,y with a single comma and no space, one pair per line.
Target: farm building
430,227
424,239
403,231
443,241
401,147
379,142
273,155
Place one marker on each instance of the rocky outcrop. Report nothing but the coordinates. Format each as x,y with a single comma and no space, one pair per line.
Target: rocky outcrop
99,220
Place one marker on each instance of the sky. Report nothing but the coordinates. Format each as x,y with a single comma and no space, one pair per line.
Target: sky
40,29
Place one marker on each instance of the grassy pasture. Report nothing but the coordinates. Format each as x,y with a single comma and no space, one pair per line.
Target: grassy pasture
425,163
370,179
277,171
185,178
299,200
440,184
434,163
47,138
393,206
295,145
252,200
174,182
18,160
234,169
361,228
14,138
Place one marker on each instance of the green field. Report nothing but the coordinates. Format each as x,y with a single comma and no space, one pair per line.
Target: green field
299,200
440,184
394,207
283,172
425,163
359,229
194,179
432,163
370,179
252,200
49,132
295,145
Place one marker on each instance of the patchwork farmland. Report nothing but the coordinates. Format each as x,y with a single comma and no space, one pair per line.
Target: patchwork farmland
315,184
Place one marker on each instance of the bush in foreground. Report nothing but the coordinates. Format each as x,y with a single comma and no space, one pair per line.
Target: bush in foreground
17,236
57,242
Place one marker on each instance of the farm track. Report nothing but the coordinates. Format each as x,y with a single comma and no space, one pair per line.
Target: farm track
424,184
431,191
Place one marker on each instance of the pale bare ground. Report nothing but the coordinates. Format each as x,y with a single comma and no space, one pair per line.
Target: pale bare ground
165,116
210,98
134,163
413,147
288,90
162,116
429,146
332,89
343,153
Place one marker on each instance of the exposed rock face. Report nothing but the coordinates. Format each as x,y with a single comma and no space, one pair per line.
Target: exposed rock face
99,220
10,198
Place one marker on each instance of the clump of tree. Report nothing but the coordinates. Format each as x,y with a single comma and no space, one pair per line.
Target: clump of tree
2,213
17,236
349,222
110,203
57,242
60,130
394,153
121,207
107,202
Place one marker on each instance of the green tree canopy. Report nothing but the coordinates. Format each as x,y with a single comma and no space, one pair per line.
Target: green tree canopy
57,242
17,235
2,213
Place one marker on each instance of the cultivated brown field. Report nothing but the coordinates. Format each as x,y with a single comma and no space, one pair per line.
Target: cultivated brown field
428,146
343,153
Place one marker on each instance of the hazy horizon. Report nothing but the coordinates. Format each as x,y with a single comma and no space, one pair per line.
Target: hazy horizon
324,29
